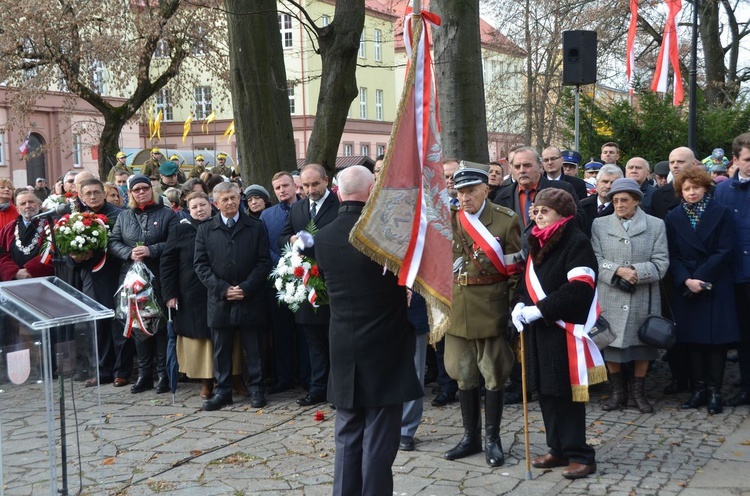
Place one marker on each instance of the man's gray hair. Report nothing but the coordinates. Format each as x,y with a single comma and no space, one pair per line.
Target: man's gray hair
533,151
355,179
225,187
609,170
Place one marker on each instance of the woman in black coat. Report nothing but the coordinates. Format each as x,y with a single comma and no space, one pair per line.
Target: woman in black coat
186,295
700,233
564,265
140,234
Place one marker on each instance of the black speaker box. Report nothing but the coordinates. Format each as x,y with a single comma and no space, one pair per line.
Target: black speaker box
579,57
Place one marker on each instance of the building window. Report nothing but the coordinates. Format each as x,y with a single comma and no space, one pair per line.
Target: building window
97,78
363,103
162,49
199,42
364,150
290,92
348,150
164,103
378,47
76,150
202,98
325,21
379,105
362,52
381,150
285,25
2,146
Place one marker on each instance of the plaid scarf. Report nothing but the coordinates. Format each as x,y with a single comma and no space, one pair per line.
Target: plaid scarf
695,210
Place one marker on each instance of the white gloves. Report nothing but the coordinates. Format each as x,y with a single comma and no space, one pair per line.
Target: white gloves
304,240
530,314
515,316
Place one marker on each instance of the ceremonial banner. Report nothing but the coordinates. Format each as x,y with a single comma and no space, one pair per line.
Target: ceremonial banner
669,54
406,222
630,55
186,126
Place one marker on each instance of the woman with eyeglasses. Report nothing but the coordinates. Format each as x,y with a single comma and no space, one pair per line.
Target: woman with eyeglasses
140,234
631,249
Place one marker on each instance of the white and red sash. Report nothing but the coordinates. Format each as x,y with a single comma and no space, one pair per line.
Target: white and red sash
506,265
584,358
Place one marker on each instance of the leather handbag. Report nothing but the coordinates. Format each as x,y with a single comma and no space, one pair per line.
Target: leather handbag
658,331
602,334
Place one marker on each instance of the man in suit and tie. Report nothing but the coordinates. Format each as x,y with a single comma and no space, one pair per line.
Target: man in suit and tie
372,349
320,206
553,160
598,205
664,199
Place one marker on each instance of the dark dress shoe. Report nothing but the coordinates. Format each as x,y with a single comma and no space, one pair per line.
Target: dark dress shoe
697,400
257,399
406,444
279,387
443,399
92,382
579,470
548,461
217,402
715,403
310,400
163,385
676,387
741,398
513,398
121,381
142,385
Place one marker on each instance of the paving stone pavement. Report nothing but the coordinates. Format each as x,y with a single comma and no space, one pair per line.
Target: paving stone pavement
146,445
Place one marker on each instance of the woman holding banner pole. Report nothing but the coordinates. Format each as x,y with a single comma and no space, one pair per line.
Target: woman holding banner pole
557,306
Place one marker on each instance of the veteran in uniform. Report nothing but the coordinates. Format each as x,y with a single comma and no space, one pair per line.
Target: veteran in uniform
487,264
221,165
151,166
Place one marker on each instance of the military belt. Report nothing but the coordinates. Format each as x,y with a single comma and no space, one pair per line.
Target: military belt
465,279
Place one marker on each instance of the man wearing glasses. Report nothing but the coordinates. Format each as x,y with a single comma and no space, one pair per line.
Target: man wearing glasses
553,160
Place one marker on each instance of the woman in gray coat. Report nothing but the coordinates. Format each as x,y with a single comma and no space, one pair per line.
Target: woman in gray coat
631,249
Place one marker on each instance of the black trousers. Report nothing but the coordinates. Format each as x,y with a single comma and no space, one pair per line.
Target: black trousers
223,341
565,423
742,298
317,342
290,351
707,364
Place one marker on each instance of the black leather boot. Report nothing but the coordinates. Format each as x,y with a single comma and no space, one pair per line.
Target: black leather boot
142,384
493,415
639,395
470,413
163,385
715,401
618,398
699,397
145,371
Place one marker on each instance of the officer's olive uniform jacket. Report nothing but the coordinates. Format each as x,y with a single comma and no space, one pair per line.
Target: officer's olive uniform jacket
481,311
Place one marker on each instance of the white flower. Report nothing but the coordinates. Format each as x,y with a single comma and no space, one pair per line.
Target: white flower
95,233
278,284
296,260
78,226
306,265
289,288
80,240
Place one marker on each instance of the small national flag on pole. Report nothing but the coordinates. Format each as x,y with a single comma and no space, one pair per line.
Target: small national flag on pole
406,223
229,132
211,117
186,127
24,149
669,54
630,52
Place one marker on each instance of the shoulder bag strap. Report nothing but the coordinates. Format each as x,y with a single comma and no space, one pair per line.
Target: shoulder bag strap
661,286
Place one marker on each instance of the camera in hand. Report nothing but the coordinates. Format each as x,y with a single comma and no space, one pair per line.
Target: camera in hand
624,285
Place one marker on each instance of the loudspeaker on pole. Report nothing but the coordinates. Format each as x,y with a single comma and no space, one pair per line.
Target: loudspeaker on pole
579,57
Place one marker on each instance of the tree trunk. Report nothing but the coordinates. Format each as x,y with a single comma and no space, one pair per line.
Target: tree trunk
460,82
265,139
339,44
109,141
716,74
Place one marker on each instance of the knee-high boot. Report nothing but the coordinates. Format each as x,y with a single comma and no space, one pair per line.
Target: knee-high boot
716,362
493,415
144,350
470,413
161,361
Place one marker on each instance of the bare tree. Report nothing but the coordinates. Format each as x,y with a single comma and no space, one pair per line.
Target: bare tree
134,49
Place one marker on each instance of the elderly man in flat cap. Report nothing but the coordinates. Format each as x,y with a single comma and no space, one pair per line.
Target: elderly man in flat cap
487,264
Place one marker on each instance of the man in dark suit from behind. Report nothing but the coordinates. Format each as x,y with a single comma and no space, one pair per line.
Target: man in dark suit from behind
372,349
553,159
598,205
321,206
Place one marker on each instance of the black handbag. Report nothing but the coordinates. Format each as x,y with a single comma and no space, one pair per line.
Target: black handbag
656,330
602,334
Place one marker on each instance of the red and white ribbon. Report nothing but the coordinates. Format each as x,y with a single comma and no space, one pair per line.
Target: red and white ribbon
669,54
134,317
630,52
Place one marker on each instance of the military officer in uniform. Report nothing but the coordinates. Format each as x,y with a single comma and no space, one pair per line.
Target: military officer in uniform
119,167
487,264
221,165
199,167
151,166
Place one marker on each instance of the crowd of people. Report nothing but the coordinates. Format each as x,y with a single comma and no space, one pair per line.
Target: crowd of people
535,242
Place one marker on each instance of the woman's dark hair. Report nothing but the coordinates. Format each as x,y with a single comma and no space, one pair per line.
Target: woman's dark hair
187,188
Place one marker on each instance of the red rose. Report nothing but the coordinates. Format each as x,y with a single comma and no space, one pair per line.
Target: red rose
299,272
86,222
319,417
314,271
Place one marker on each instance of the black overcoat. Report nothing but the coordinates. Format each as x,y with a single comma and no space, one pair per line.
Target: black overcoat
102,284
227,257
590,206
371,340
298,219
179,280
705,253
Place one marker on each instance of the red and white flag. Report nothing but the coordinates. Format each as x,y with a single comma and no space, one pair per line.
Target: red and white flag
630,52
669,55
406,223
25,146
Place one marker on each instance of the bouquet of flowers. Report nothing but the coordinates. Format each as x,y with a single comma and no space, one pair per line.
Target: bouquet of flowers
136,302
53,201
297,278
81,233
